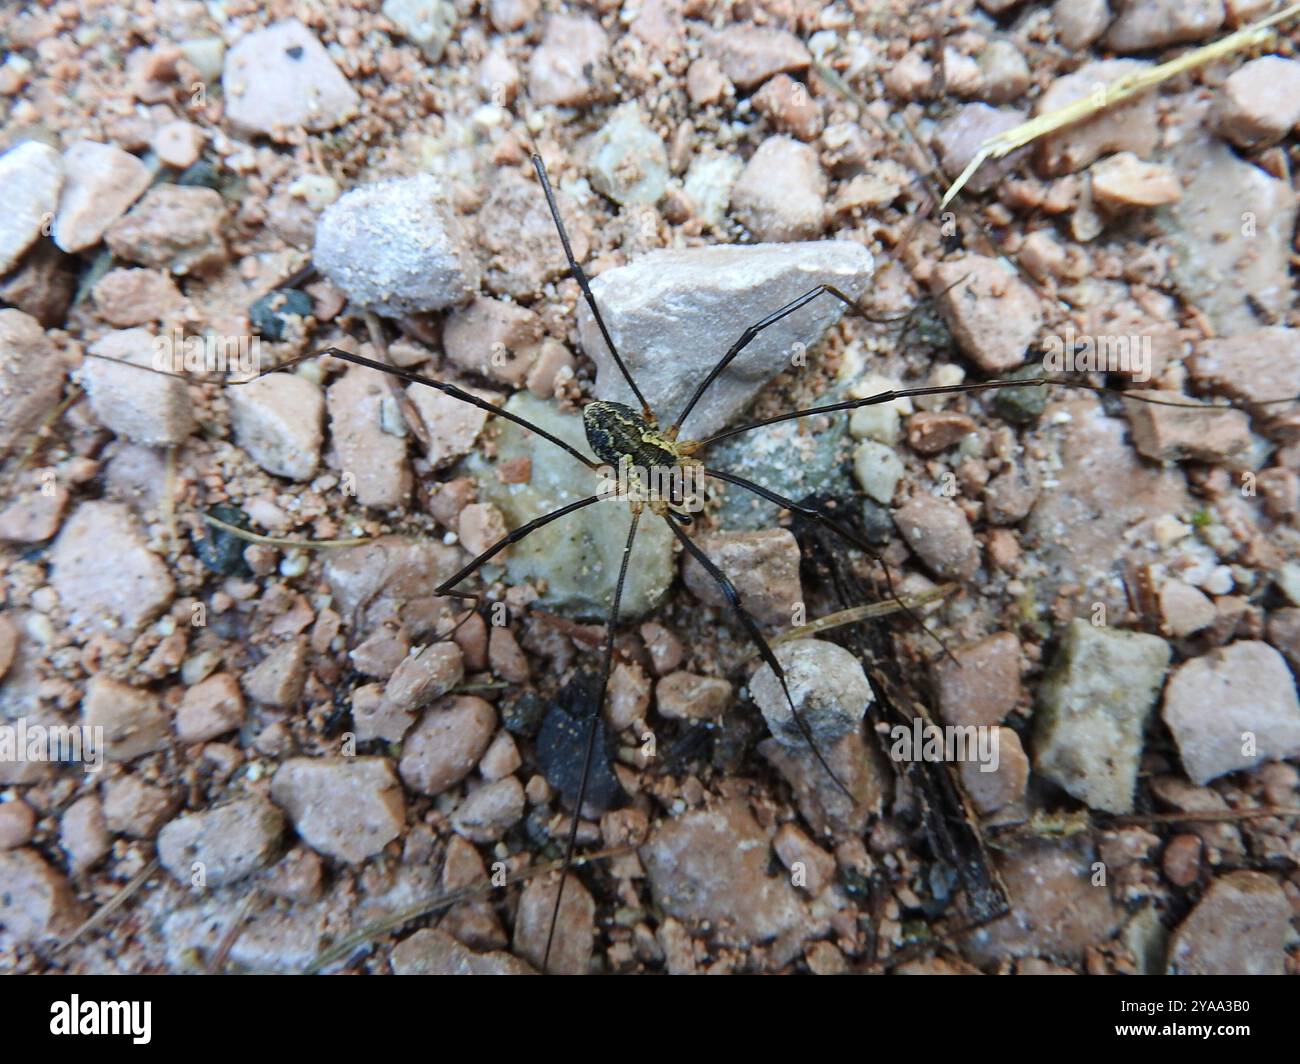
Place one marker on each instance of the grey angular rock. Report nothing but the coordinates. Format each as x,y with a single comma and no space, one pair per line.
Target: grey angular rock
674,313
827,685
577,556
428,24
628,163
1092,708
397,247
792,458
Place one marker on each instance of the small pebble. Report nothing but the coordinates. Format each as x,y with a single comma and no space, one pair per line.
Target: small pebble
940,534
687,696
347,808
210,708
278,419
447,744
428,24
178,143
827,685
781,193
490,811
1124,180
173,228
570,67
421,677
1241,926
228,842
1093,707
628,161
278,679
129,398
16,823
994,316
280,78
102,182
762,566
1233,708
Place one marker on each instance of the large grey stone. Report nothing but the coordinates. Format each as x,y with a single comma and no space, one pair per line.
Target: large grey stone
396,247
674,313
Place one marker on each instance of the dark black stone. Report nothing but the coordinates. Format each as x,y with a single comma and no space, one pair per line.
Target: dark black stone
877,523
562,746
522,716
201,174
1021,406
218,549
270,313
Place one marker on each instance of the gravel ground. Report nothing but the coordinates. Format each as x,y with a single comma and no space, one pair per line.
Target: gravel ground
300,746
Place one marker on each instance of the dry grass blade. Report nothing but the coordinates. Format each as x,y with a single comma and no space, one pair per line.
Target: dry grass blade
1115,92
277,541
111,906
360,938
869,612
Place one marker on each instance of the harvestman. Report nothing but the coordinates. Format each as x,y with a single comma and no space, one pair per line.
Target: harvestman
620,435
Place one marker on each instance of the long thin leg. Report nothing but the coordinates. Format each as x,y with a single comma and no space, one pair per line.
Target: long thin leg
591,732
578,274
442,386
755,637
745,339
976,386
445,588
816,513
871,400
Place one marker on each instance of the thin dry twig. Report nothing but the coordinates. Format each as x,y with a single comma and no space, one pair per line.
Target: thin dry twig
343,948
111,906
278,541
868,612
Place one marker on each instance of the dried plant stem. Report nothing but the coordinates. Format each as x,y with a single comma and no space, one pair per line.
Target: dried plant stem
1115,92
277,541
